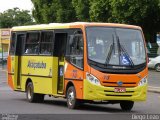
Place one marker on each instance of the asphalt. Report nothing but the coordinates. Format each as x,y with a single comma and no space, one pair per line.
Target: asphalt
153,85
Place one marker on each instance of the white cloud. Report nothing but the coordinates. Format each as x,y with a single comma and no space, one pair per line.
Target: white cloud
10,4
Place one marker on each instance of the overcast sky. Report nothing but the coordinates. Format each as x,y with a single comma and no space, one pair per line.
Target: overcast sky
9,4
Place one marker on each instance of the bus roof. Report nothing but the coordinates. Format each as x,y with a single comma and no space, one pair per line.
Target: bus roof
70,25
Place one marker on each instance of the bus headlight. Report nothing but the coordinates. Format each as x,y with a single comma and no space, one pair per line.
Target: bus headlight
142,81
92,79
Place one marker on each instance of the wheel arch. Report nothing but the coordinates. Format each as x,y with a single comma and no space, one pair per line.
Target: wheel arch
28,81
70,83
156,65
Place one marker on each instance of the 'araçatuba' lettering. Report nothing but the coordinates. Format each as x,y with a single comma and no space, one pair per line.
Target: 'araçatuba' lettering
35,65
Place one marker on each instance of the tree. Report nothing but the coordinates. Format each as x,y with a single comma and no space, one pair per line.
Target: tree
144,13
81,8
15,17
99,10
53,11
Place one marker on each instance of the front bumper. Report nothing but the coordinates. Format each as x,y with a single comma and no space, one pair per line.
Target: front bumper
94,92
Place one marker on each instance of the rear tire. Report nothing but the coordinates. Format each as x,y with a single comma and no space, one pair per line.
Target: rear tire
126,105
157,67
72,102
31,96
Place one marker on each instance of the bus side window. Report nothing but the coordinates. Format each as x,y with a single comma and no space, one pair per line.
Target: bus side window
46,43
32,43
12,44
76,50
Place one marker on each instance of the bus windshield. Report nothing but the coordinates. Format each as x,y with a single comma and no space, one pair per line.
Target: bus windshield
115,46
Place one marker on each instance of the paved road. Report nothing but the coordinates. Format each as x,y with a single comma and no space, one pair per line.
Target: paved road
154,78
15,103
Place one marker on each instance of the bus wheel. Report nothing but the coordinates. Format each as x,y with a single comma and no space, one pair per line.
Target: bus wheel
72,102
126,105
31,96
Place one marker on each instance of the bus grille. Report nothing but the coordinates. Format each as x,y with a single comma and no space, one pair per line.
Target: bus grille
114,84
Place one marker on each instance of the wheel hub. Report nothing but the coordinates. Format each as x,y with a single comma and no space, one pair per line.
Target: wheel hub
70,97
29,93
158,68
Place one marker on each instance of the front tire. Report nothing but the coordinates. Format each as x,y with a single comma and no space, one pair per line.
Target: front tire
126,105
31,96
157,67
72,102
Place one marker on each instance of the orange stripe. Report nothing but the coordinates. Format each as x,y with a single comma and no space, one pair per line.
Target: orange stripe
10,80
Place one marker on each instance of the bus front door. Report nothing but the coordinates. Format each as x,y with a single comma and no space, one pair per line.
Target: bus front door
60,47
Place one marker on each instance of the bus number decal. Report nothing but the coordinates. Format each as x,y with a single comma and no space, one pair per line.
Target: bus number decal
74,73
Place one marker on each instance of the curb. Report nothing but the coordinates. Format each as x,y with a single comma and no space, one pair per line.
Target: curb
153,89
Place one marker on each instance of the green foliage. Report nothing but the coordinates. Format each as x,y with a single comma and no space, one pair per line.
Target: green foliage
81,8
66,12
99,10
53,11
43,12
15,17
144,13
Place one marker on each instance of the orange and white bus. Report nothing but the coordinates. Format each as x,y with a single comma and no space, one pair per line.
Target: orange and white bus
82,62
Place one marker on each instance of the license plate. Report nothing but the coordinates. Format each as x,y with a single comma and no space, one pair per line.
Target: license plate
119,90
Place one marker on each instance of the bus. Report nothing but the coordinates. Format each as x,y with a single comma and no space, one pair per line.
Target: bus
82,62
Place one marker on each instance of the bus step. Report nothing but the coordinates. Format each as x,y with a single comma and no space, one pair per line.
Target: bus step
60,92
58,95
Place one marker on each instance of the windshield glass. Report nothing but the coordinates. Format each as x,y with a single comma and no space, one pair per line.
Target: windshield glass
115,46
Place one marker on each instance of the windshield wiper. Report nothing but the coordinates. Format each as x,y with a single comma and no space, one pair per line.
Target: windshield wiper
110,51
123,51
